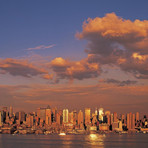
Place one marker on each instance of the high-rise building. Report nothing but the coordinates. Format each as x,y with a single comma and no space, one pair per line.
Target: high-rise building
75,117
128,121
65,115
59,118
101,113
70,117
11,111
137,116
111,119
133,121
115,118
54,112
80,119
41,113
120,125
87,116
22,116
30,120
1,118
48,115
123,118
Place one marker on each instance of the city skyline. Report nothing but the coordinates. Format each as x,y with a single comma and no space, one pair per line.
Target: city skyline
49,120
74,55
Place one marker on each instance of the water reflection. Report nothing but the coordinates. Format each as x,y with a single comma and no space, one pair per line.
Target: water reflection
96,140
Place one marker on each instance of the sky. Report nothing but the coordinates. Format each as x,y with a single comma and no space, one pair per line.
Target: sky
74,54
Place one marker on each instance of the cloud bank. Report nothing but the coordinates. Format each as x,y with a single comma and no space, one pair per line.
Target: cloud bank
17,67
114,40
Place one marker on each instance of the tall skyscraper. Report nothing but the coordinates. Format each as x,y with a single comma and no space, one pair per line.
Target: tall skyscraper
41,113
101,113
65,115
22,116
137,116
48,115
115,117
70,117
11,111
1,118
128,121
75,117
87,116
80,119
54,112
123,118
30,120
133,121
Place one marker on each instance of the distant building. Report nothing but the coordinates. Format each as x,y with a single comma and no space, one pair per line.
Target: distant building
29,120
48,115
54,112
103,127
137,116
11,111
65,115
101,113
70,117
115,119
1,118
80,119
130,121
21,116
87,116
41,113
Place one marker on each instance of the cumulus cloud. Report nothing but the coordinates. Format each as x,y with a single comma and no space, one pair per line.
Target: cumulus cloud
23,68
41,47
66,69
114,40
117,82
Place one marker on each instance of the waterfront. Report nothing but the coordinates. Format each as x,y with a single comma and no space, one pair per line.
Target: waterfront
72,141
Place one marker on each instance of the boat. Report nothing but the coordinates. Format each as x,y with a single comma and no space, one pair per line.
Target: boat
62,134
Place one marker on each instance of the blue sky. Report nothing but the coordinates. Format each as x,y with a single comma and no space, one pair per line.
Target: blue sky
26,24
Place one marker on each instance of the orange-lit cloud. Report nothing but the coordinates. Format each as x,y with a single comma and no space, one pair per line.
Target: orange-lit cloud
17,67
114,40
66,69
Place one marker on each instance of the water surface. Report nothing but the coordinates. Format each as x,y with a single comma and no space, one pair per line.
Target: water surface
73,141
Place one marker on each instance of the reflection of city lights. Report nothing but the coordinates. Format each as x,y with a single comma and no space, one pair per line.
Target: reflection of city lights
93,136
96,140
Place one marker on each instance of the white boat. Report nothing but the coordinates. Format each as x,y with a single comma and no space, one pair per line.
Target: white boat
62,134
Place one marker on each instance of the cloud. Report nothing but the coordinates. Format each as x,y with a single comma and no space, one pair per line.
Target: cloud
119,83
66,69
17,67
114,40
41,47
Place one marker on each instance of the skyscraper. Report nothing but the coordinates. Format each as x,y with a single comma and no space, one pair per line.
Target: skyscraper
1,118
65,115
137,116
133,121
11,111
87,116
48,115
80,119
115,117
101,113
